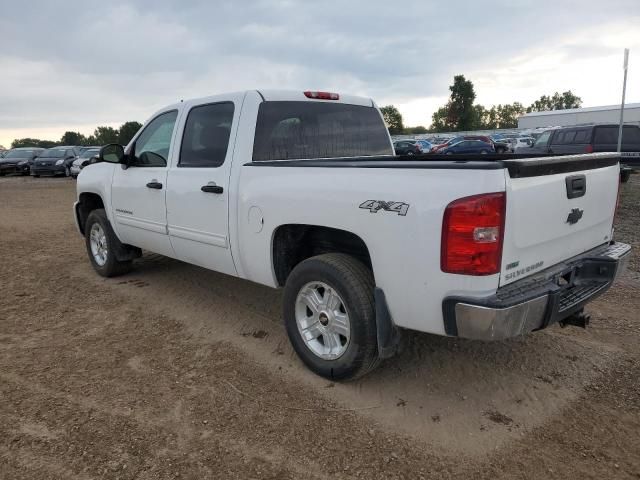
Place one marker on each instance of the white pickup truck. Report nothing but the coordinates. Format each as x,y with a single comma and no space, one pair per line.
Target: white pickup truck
302,190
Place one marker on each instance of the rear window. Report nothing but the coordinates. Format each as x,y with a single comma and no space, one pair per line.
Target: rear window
609,135
304,130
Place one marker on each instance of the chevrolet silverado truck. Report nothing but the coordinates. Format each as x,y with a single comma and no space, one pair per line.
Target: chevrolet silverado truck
302,191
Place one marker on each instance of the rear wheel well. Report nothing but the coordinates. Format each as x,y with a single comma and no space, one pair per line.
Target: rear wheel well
294,243
88,203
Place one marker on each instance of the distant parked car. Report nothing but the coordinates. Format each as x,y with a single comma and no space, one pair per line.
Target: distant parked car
19,160
83,160
523,144
407,147
469,147
54,161
590,138
440,148
425,145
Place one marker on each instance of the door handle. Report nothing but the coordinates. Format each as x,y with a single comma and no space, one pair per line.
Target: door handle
154,184
212,189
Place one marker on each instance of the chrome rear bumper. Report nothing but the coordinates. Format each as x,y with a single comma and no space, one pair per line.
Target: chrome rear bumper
538,301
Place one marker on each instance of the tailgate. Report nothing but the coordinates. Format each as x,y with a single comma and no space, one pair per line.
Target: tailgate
557,208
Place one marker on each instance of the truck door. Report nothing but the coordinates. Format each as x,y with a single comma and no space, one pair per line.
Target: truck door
198,194
138,192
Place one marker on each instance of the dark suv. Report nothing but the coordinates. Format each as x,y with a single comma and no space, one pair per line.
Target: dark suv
587,139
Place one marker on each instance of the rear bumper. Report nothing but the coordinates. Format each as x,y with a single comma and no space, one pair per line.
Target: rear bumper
538,301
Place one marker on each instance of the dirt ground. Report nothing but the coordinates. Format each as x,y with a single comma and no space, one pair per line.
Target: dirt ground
173,371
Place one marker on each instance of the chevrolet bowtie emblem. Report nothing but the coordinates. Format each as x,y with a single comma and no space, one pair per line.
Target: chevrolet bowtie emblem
574,216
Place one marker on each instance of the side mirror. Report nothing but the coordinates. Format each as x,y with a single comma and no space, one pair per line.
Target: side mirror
112,153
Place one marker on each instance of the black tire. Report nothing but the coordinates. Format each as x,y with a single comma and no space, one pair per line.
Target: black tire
36,176
112,267
354,283
67,172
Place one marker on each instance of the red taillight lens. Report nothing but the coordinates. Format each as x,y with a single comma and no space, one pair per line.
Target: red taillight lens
322,95
472,233
588,149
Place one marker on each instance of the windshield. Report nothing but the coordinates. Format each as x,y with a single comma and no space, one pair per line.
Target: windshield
52,154
305,130
19,154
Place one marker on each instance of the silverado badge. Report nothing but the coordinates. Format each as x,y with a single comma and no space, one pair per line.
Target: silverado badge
574,216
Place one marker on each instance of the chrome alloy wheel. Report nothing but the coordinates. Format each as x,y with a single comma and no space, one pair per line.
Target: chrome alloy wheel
98,243
323,321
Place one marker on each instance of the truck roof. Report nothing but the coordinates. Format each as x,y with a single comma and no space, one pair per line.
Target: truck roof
289,96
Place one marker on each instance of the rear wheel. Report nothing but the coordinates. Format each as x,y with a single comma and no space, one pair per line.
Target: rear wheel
101,244
329,314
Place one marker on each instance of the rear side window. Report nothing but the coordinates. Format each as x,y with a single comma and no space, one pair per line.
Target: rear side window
569,136
581,136
206,135
609,135
304,130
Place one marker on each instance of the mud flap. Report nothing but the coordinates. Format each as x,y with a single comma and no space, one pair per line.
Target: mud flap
388,334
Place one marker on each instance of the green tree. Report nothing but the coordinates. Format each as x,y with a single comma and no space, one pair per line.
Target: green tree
126,132
393,119
461,112
508,115
557,101
32,142
418,129
439,119
105,135
73,138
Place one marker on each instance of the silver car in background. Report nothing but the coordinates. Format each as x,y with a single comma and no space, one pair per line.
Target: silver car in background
83,160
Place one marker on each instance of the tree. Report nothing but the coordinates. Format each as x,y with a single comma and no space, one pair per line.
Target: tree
32,142
73,138
556,102
418,129
508,115
461,113
104,135
393,119
126,132
439,119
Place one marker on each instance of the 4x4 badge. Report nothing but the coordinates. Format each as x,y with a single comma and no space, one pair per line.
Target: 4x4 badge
574,216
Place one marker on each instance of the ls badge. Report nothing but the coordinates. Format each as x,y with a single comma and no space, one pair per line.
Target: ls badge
574,216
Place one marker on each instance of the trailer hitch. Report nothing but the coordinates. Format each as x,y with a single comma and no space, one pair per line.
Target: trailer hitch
578,319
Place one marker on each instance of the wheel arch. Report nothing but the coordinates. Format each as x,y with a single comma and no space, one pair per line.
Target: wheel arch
87,202
293,243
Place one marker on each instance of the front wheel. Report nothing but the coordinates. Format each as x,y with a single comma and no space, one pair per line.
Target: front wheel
329,314
101,244
67,172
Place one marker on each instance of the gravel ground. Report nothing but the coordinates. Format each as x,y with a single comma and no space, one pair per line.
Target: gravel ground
173,371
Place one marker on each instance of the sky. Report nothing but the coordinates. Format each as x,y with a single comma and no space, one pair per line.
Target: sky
77,64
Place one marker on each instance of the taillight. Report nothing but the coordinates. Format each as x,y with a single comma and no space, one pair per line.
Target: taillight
322,95
472,234
588,149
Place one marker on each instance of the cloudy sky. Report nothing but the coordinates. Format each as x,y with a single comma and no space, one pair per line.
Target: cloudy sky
76,64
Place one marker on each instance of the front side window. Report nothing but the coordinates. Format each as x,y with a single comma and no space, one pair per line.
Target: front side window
152,146
206,135
288,130
543,139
